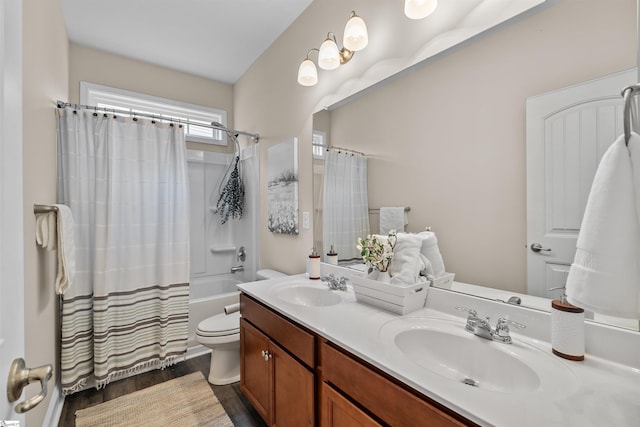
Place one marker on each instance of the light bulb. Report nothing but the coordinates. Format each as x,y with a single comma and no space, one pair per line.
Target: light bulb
418,9
307,73
329,56
355,33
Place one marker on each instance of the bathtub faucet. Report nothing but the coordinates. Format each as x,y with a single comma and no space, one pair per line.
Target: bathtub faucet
237,268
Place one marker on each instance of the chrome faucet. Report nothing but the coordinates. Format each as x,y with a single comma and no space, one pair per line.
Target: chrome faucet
237,268
483,329
334,283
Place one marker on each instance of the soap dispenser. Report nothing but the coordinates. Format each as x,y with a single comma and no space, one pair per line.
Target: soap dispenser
332,257
567,329
313,265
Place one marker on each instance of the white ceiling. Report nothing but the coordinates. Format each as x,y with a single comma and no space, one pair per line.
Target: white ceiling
216,39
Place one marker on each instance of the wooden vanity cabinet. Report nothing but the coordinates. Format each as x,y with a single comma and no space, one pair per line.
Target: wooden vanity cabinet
296,378
279,383
351,387
337,411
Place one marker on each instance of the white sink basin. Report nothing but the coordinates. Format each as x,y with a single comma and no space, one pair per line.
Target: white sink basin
307,295
446,349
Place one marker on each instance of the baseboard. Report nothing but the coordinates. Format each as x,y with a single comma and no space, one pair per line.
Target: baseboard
195,350
52,417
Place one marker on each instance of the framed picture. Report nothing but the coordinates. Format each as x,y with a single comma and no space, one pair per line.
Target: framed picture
282,189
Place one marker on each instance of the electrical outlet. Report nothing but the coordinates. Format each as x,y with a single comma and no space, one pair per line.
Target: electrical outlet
305,220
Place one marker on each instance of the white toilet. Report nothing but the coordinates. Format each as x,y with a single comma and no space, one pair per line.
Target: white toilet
221,333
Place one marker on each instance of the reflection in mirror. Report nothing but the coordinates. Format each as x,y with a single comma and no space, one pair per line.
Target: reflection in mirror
342,206
449,138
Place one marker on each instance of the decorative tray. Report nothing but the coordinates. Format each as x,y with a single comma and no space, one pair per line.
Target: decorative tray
395,298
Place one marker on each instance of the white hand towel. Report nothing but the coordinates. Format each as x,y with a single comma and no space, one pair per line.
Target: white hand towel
407,261
392,218
605,274
431,251
42,232
66,249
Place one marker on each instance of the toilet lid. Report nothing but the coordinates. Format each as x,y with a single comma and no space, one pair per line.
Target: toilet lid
220,325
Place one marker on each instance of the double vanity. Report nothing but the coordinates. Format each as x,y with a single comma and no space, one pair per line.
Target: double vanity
315,356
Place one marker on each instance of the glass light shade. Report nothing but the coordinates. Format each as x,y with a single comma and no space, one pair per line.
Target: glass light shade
418,9
355,34
307,73
329,56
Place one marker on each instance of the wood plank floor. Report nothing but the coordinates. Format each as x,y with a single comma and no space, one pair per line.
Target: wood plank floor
238,408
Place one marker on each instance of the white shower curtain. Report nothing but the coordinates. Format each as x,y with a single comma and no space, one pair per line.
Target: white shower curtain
126,183
345,210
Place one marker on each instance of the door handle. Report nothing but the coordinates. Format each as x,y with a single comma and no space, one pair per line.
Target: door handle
20,376
537,247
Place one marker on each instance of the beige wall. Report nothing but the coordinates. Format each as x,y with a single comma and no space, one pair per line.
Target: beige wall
45,79
454,144
96,66
100,67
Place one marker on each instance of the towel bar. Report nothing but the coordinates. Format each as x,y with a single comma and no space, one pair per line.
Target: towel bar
406,209
39,209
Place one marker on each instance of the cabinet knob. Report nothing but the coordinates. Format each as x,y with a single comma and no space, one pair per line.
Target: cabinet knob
266,355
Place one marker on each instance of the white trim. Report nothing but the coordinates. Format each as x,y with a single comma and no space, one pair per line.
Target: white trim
12,317
99,95
56,403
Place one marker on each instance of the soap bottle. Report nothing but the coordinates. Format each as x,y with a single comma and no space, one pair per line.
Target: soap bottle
567,329
332,257
313,265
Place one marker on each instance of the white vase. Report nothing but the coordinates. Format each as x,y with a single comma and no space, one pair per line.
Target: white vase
380,276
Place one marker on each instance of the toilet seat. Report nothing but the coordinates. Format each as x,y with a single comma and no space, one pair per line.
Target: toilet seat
220,325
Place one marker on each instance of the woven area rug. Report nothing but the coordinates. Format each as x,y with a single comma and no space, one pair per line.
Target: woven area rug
186,402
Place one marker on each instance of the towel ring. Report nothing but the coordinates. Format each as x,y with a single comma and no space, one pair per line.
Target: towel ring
627,94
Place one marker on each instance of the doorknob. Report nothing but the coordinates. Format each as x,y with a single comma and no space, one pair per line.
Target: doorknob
537,247
20,376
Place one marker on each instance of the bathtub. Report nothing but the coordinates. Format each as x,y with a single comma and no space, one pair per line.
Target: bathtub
207,297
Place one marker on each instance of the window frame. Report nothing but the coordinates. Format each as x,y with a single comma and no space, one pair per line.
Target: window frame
318,143
93,94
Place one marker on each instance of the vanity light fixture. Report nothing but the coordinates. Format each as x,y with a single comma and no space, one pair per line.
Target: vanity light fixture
330,56
418,9
307,72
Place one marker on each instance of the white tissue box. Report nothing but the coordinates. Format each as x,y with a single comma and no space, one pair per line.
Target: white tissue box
395,298
443,282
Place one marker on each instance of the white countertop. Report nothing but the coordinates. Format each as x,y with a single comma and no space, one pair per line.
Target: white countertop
600,393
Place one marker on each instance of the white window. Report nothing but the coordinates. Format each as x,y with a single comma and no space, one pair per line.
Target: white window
319,144
193,116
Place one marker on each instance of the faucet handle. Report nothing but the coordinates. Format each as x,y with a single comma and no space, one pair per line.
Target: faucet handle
503,321
472,318
501,332
470,311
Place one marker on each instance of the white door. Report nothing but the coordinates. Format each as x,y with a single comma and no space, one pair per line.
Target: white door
568,131
11,229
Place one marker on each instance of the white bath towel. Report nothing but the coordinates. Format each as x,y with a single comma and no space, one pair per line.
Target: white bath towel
66,249
605,274
431,251
408,262
393,218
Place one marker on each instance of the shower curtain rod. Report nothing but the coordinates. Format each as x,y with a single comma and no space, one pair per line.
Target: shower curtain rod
339,149
213,125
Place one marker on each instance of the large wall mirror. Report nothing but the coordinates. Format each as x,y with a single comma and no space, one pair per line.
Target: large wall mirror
449,139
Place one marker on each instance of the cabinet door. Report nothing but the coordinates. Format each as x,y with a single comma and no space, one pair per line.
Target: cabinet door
336,411
255,369
293,391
